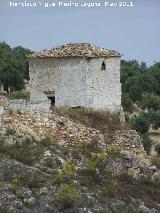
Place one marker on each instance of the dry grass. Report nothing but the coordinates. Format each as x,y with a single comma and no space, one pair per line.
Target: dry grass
98,119
28,152
156,161
142,188
20,95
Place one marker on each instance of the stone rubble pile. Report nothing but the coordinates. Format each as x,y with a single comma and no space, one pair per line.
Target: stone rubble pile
41,123
4,102
129,141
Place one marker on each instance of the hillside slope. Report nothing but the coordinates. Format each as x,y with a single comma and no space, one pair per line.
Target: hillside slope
50,162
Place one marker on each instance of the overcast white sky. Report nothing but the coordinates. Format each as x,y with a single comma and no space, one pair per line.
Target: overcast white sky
134,31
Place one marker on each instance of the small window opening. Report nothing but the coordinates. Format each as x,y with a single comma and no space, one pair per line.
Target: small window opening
103,66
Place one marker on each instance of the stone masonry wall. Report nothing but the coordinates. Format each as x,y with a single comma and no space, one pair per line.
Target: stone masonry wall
104,87
77,82
64,76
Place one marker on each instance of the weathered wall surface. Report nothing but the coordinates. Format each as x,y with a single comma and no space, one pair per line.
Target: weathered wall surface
104,87
64,76
1,116
72,89
44,75
77,82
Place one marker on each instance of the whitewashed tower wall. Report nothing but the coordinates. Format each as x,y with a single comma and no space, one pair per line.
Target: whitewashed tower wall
77,81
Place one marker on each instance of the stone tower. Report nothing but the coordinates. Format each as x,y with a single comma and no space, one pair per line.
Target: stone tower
76,75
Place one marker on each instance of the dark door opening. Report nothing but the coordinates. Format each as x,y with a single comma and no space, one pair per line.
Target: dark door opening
51,97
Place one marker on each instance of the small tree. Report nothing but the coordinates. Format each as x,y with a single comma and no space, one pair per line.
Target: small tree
127,103
150,102
155,119
157,148
67,196
147,143
141,123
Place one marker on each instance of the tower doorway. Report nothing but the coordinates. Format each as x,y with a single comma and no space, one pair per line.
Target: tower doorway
51,97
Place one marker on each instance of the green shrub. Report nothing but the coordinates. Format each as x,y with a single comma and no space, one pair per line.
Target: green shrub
26,152
31,180
127,103
79,149
27,142
147,143
116,209
156,161
20,194
67,196
13,147
131,209
93,167
20,152
154,118
92,146
113,150
87,148
10,131
20,95
109,190
69,169
47,141
150,102
157,148
141,123
15,184
127,118
67,174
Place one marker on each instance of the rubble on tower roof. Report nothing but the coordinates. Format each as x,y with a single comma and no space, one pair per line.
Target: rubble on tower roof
75,50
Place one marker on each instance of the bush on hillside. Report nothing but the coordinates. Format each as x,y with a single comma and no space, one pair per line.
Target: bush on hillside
67,174
141,123
150,102
10,131
47,141
157,148
127,103
66,196
147,143
156,161
109,190
113,151
155,119
22,94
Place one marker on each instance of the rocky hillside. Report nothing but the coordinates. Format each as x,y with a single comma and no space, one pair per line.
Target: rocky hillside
53,162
